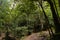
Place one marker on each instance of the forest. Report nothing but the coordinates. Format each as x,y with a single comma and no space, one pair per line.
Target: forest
29,19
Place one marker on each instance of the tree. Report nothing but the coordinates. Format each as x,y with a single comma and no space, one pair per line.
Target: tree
59,2
55,18
46,20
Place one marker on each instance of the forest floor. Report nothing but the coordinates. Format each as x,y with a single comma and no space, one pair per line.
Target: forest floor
44,35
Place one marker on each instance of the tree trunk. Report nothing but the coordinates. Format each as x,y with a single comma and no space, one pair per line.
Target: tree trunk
55,17
59,2
56,20
47,21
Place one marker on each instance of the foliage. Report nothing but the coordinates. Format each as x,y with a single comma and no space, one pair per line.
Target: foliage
21,16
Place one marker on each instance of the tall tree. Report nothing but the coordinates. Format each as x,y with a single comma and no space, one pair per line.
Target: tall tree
56,19
59,2
46,19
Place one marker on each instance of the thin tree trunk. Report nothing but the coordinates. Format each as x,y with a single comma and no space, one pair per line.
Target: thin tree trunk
55,8
55,17
56,20
59,2
47,21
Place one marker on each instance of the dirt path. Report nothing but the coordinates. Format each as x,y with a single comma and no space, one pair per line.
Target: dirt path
38,36
34,36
